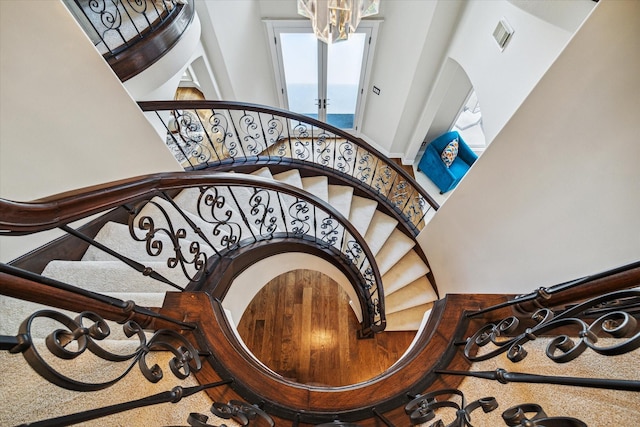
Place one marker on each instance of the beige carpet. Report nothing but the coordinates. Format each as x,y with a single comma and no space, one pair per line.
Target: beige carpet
597,408
36,399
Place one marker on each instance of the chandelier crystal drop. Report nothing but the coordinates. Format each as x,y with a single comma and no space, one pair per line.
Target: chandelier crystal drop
334,20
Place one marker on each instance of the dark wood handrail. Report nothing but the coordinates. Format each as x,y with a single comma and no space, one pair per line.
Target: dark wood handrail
20,218
413,374
68,297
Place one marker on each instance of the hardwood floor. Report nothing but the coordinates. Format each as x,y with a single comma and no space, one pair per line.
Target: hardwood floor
301,326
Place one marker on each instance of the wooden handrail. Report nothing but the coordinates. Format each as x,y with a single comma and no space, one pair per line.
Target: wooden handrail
413,374
20,218
66,299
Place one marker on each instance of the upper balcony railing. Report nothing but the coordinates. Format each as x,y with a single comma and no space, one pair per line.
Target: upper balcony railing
132,34
204,134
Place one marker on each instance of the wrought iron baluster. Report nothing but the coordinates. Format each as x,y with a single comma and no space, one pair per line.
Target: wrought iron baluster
612,321
85,337
283,213
145,270
154,246
299,211
173,396
247,125
302,150
517,416
234,146
229,231
204,128
241,212
93,26
505,377
176,143
423,408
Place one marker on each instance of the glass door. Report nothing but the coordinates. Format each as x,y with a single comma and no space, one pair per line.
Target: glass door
343,80
321,81
302,90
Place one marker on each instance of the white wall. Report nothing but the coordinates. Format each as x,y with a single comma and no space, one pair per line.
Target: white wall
65,119
502,79
440,30
399,50
233,30
161,79
556,196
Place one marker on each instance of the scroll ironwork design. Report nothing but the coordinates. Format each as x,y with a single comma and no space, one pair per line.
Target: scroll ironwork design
423,408
241,412
612,321
82,334
214,213
114,25
187,140
150,225
236,132
517,416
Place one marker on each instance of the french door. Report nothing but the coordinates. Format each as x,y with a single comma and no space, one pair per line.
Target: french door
321,81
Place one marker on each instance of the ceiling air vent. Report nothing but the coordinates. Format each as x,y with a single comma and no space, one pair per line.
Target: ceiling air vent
502,33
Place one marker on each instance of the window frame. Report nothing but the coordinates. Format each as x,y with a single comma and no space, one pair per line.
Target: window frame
276,26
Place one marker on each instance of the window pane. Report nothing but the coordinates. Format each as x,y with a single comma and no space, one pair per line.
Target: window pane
300,60
343,80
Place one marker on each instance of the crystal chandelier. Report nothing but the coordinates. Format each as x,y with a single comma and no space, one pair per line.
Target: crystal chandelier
334,20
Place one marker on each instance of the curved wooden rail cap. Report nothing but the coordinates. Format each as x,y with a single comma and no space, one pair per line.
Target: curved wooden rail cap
434,349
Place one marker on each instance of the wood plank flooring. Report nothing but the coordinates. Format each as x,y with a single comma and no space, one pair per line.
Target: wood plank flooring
301,326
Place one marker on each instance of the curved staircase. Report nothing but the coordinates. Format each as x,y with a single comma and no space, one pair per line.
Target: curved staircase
408,292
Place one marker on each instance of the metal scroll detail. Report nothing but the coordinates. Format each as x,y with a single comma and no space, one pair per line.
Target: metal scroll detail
83,333
154,225
517,416
240,412
423,408
214,206
613,320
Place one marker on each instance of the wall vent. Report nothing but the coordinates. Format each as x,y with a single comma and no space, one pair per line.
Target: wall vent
502,33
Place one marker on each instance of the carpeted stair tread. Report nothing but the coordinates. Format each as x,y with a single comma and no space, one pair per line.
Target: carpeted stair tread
418,292
113,276
408,269
317,185
407,320
396,246
291,177
45,400
264,172
380,228
340,197
117,237
362,210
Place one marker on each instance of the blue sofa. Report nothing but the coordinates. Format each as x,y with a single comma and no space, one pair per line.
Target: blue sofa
446,178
